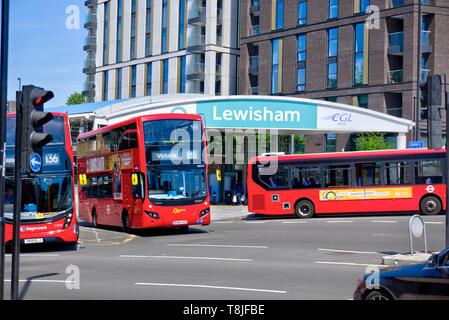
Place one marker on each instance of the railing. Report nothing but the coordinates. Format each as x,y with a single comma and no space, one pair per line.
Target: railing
254,65
254,91
91,18
90,41
196,68
219,16
255,30
424,74
199,12
218,69
396,42
425,41
395,76
88,86
89,64
255,7
197,40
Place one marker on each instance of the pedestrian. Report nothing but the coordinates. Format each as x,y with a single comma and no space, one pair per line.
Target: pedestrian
238,192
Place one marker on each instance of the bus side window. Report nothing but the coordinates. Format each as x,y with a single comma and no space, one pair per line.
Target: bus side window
429,172
337,176
397,173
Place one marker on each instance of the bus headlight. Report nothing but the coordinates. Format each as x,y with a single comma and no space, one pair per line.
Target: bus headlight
68,220
153,215
204,212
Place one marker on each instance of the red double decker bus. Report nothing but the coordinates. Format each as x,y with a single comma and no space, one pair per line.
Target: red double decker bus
348,182
48,210
146,172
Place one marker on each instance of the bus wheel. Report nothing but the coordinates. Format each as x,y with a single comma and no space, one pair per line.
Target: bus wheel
94,218
304,209
125,222
430,206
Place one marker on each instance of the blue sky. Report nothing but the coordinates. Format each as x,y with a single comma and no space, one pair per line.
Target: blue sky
42,51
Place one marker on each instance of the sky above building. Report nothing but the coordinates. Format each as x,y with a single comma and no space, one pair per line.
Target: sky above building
46,46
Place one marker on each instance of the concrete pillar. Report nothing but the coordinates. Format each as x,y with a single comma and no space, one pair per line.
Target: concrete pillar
292,144
401,141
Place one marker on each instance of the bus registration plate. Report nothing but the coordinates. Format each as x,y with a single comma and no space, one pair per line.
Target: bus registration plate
32,241
180,222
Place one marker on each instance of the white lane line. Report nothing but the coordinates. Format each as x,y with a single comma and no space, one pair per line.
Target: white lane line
385,235
434,222
254,222
216,246
295,222
340,221
207,287
350,264
43,281
8,255
384,221
347,251
223,222
188,258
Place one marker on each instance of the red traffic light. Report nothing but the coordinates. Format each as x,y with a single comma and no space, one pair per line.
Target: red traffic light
41,96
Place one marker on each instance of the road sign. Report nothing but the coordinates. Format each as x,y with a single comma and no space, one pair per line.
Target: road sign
35,162
416,145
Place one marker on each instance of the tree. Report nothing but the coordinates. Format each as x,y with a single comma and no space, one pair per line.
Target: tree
371,141
75,98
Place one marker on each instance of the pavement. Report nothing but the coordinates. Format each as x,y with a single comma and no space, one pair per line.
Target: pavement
219,213
258,258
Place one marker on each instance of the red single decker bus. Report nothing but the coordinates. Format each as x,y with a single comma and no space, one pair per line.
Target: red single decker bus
146,172
48,212
348,182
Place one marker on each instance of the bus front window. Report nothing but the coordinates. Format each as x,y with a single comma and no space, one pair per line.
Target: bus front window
42,197
172,183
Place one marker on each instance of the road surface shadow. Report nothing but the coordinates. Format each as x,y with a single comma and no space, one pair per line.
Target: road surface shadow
43,248
28,283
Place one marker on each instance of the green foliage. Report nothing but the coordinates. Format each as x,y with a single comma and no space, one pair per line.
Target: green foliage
371,141
75,98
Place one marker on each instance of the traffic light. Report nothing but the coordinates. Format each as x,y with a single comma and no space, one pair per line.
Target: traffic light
424,98
33,120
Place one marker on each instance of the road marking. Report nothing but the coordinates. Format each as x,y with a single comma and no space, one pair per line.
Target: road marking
43,281
434,222
222,222
254,222
215,246
294,222
384,221
340,221
350,264
192,258
208,287
35,255
348,251
385,235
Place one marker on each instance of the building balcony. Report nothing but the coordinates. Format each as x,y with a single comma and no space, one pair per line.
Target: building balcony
91,21
425,41
197,17
395,76
196,44
255,30
90,43
255,7
424,74
90,3
254,65
219,17
88,88
218,70
195,72
395,3
89,66
254,91
396,43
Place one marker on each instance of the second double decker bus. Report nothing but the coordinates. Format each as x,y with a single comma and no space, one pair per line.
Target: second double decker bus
145,172
48,212
348,182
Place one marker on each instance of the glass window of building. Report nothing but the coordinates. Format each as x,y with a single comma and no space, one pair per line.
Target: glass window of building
182,74
278,14
133,89
333,9
182,24
106,34
360,54
105,85
148,79
164,26
118,85
165,76
332,65
301,63
119,30
276,66
302,12
332,35
133,28
360,100
148,29
360,6
332,75
331,142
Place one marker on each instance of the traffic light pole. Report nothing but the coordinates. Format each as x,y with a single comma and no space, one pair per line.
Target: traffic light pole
17,198
418,75
3,102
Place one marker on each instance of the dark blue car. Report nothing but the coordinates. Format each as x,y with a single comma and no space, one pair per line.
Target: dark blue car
424,281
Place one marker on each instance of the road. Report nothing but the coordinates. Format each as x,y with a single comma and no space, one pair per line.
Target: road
281,258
